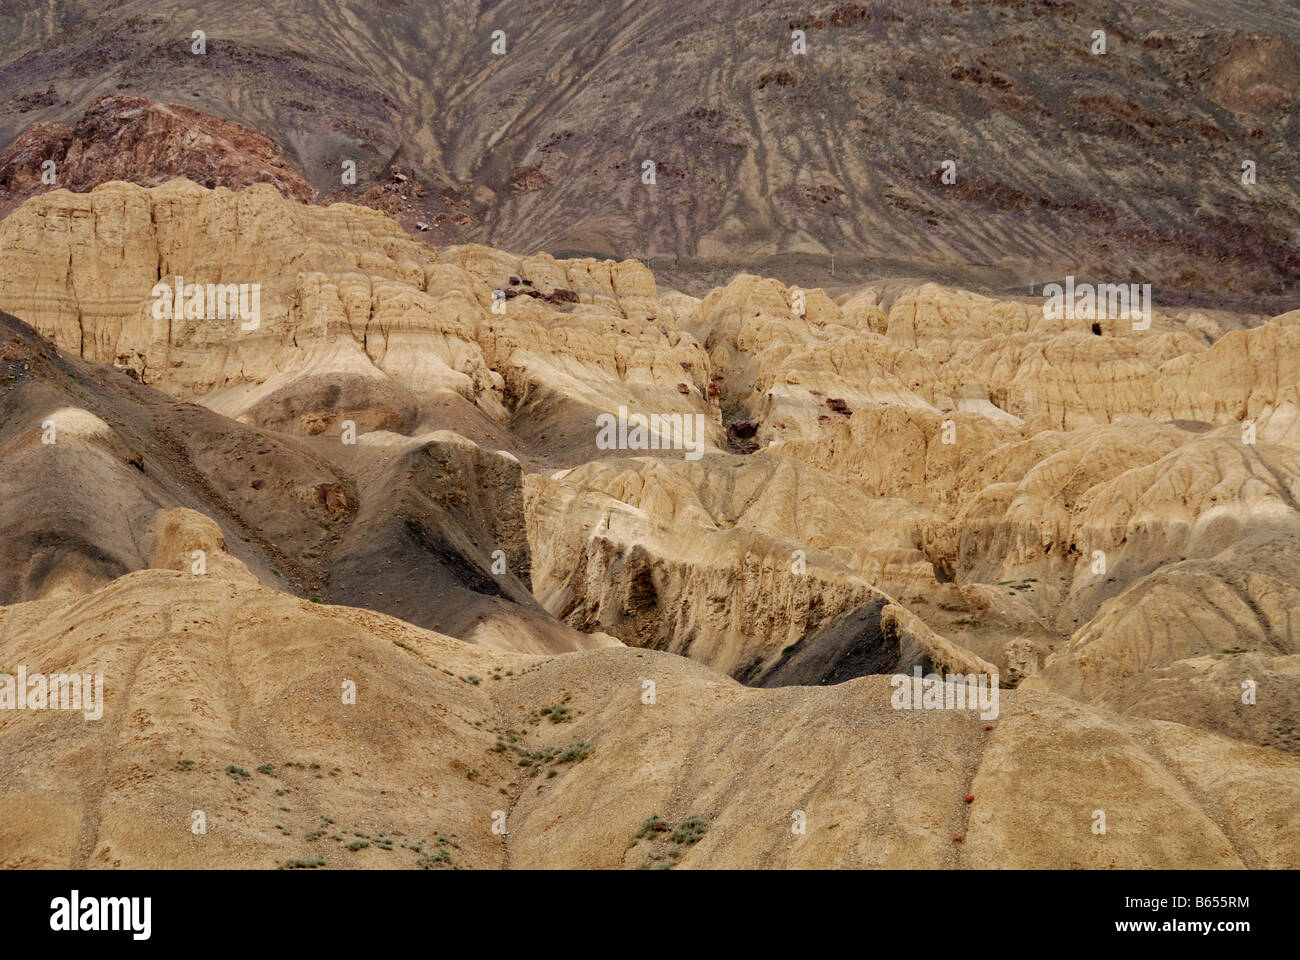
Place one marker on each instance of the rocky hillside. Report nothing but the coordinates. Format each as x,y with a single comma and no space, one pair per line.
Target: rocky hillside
1125,164
127,138
224,700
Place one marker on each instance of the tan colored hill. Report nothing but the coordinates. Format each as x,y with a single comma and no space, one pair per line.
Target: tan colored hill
357,320
224,697
415,523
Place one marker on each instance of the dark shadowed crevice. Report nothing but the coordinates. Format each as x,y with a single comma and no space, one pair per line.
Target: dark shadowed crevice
853,646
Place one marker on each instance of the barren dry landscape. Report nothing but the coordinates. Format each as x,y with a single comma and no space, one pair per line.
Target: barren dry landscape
377,506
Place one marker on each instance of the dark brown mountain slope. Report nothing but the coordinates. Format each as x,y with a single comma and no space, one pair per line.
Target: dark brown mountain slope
1126,165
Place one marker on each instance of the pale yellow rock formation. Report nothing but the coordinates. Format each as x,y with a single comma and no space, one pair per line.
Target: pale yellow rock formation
907,629
187,541
344,294
727,560
226,697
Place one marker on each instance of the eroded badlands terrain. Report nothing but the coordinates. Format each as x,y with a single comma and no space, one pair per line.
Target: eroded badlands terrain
580,640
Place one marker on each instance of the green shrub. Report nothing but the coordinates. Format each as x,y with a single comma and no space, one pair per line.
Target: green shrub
690,830
653,824
576,751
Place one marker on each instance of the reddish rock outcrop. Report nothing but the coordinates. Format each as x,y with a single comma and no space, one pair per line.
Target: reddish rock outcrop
137,140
